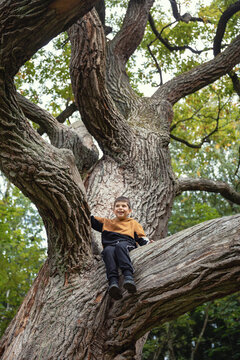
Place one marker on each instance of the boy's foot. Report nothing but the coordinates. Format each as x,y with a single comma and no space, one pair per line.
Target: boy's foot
114,291
129,284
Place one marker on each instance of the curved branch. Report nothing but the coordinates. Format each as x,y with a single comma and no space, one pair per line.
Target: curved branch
165,41
201,76
45,174
204,139
118,52
130,36
220,187
175,11
61,136
231,10
87,69
185,142
156,63
195,348
45,19
235,81
64,115
186,17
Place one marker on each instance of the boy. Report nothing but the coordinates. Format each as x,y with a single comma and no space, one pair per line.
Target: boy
119,236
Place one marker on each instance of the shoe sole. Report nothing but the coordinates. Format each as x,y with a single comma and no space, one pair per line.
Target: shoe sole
115,292
130,287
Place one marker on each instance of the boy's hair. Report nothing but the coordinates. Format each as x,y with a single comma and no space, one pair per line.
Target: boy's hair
123,199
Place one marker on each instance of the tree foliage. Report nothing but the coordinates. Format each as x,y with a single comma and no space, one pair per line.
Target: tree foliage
21,250
134,134
209,332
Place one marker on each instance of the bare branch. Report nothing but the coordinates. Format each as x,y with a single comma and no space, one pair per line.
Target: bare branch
227,14
217,44
219,187
238,165
235,81
175,11
200,76
186,17
38,115
205,138
195,348
156,63
185,142
165,41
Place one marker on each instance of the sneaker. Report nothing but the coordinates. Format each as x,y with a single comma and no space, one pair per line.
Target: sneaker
114,291
129,284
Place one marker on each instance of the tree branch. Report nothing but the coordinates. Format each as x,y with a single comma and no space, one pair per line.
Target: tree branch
204,259
195,348
87,69
186,17
130,36
165,41
235,81
202,75
45,174
220,187
45,20
203,141
118,52
227,14
64,115
61,136
205,138
156,63
205,264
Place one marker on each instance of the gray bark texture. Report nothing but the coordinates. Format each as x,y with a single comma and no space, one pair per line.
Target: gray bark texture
74,318
68,313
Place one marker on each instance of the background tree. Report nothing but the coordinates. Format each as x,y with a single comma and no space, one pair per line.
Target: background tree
68,298
21,250
209,332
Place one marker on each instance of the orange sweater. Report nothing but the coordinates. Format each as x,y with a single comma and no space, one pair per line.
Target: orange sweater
114,230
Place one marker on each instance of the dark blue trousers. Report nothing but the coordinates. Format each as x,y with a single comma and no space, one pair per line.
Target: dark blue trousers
117,256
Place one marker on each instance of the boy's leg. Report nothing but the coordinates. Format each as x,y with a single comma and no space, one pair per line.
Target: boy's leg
111,264
125,264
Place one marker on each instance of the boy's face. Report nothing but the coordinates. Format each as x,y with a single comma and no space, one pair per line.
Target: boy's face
121,210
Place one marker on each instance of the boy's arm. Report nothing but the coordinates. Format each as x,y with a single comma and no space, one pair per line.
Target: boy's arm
143,241
140,236
96,223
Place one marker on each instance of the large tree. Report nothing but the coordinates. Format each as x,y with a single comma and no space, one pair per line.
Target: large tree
68,314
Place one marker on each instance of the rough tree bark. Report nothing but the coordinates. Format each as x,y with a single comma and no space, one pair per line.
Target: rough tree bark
68,314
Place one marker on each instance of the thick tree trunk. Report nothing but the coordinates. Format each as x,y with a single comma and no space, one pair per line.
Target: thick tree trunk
138,164
74,318
149,184
68,313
